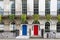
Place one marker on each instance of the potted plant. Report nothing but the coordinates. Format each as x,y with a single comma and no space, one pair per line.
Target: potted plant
23,18
36,17
0,18
58,17
48,17
12,17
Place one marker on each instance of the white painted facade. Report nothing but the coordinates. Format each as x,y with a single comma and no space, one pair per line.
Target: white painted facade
30,12
53,7
18,4
42,7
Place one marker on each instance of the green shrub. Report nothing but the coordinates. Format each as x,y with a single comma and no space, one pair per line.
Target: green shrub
36,17
0,18
48,17
58,17
11,17
23,18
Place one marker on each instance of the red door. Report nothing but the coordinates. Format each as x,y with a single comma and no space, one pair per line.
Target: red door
36,30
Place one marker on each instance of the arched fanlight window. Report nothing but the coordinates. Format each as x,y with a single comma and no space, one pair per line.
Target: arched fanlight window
13,26
24,22
58,26
37,25
1,26
13,7
35,22
47,27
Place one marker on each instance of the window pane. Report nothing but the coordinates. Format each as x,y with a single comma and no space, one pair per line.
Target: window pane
24,11
36,6
58,7
47,7
35,11
12,10
24,6
12,7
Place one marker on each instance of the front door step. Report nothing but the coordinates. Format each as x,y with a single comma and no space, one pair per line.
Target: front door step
25,37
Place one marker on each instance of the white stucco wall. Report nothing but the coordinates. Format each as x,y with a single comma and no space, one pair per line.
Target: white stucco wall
53,7
18,5
6,6
42,7
30,7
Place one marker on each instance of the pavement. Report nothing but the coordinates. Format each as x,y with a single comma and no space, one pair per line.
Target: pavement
29,39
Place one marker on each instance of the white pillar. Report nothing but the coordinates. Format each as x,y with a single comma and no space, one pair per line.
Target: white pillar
6,7
42,24
18,5
42,7
53,7
53,25
30,7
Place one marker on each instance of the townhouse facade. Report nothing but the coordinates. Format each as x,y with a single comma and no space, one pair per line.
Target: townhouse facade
30,29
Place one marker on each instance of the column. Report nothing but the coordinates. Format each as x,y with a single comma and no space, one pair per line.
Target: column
18,5
53,25
42,7
53,8
30,7
6,7
6,25
42,24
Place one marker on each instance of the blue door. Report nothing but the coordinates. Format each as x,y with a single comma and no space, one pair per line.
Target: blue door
24,29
